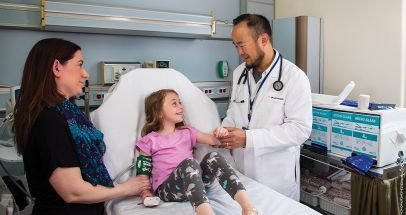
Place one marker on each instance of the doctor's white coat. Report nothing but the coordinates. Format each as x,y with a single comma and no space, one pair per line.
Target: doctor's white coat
280,123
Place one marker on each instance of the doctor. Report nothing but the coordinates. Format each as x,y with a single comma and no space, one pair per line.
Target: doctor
270,112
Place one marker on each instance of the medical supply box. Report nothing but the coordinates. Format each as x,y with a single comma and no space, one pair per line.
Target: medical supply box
378,134
321,129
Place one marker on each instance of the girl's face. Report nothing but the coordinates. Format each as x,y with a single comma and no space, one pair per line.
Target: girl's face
172,109
71,75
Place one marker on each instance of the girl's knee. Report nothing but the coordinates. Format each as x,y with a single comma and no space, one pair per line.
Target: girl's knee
190,162
190,167
211,156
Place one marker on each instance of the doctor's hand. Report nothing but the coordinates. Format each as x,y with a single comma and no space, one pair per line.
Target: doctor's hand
135,185
234,139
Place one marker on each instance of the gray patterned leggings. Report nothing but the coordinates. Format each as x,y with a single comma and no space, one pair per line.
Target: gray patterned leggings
188,180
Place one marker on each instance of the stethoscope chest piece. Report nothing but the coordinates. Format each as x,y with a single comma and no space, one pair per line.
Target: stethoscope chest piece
278,85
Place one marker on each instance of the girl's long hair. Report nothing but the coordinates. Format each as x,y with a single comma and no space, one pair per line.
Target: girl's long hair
38,87
153,110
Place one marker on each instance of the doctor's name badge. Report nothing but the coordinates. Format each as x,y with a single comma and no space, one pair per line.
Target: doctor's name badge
277,98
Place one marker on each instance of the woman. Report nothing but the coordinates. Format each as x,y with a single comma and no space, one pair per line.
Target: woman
62,150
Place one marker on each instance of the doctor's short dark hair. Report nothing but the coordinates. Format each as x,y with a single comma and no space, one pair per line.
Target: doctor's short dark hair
260,24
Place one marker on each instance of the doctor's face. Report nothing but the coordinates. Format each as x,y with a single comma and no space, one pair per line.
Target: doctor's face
172,109
247,46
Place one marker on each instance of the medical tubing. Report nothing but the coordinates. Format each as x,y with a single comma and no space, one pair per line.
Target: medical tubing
123,172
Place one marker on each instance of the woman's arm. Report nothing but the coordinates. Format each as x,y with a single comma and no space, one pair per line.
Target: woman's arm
69,184
207,139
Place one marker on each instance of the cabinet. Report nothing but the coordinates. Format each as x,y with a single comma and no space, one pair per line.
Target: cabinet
300,40
20,15
342,131
378,192
325,183
95,18
180,18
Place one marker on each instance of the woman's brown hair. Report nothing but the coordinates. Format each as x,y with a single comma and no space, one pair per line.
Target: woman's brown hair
38,86
153,109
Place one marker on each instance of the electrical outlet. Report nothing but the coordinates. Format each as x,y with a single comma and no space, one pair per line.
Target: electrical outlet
208,90
215,90
98,96
222,90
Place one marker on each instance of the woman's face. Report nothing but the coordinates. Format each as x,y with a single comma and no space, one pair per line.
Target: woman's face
70,76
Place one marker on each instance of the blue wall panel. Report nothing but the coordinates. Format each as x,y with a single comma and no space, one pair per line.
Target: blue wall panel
195,58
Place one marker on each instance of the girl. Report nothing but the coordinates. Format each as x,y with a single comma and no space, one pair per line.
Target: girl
176,176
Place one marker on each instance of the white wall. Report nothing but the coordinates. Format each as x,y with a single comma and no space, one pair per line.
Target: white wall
364,41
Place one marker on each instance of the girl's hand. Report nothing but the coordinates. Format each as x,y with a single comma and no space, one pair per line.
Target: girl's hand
220,132
215,142
208,139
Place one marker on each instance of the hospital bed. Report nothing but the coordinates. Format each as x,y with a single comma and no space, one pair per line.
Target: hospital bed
121,117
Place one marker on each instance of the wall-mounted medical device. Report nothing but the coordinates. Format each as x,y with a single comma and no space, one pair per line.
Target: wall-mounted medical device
112,71
222,68
97,93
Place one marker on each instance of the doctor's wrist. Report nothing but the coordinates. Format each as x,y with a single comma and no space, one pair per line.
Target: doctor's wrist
248,139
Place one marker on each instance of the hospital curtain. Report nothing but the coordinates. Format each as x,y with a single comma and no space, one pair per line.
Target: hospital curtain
375,196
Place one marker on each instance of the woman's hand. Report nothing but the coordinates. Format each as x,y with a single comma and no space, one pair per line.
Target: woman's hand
135,185
71,187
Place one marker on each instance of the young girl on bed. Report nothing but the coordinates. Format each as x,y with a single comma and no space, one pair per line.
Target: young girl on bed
176,175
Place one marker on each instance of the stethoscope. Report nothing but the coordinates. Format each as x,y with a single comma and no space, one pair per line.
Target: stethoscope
277,85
